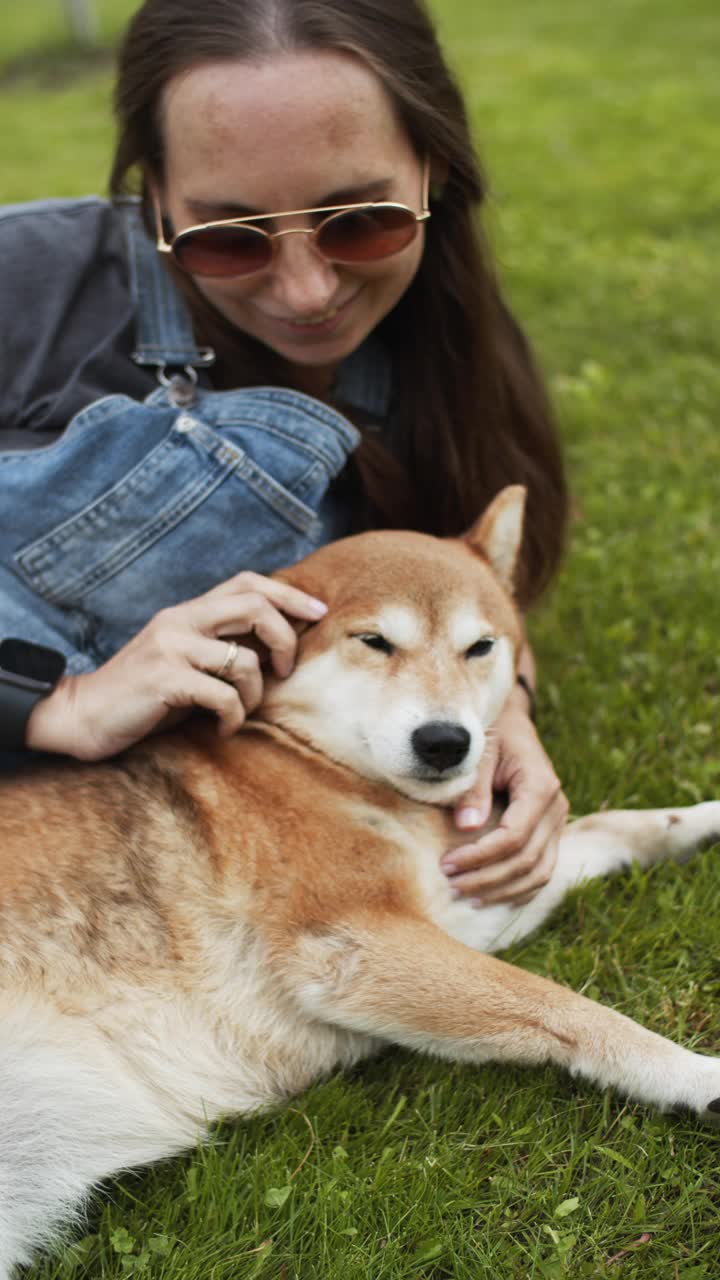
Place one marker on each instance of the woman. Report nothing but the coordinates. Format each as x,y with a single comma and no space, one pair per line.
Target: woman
329,144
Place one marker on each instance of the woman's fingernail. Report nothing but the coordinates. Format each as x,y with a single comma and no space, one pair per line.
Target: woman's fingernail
469,818
477,902
317,607
448,866
455,893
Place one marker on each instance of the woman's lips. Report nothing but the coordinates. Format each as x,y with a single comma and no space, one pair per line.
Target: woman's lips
315,322
315,326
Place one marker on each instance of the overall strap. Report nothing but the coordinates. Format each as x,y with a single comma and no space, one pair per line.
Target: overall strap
163,326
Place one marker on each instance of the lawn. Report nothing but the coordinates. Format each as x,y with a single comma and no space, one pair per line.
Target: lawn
600,126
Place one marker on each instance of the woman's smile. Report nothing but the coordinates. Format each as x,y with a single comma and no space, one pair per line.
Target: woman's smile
319,323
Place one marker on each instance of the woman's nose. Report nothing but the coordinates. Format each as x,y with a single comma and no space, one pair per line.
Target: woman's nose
302,280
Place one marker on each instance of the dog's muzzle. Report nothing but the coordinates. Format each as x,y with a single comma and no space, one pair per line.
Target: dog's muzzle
440,746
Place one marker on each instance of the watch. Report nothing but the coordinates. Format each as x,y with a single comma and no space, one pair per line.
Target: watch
28,672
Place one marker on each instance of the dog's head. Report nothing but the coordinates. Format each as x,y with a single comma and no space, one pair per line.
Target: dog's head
403,677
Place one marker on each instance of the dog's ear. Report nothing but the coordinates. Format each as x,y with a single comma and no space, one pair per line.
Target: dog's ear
497,533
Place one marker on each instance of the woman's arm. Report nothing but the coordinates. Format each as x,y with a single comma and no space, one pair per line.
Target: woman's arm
517,858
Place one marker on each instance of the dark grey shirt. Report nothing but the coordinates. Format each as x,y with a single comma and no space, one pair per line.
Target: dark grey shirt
66,316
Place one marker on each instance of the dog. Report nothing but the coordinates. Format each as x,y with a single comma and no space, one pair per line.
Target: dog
202,927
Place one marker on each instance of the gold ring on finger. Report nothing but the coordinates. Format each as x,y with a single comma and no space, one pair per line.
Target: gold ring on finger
233,648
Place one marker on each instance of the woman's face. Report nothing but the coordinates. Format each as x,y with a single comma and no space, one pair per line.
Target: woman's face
300,130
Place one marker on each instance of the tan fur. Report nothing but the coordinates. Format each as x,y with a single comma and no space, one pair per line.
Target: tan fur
203,926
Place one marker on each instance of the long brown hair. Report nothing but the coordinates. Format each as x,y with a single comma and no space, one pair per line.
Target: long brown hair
470,406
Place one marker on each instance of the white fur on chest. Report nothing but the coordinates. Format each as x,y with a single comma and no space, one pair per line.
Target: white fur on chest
415,836
482,928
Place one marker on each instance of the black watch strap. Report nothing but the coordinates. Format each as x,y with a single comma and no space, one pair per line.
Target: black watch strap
16,705
28,672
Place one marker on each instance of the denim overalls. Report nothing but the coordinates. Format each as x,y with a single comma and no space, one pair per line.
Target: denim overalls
141,505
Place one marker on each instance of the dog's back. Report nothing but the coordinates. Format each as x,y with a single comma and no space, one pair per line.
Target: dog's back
150,910
144,932
204,926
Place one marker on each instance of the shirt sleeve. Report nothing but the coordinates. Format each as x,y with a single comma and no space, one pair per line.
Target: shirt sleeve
66,316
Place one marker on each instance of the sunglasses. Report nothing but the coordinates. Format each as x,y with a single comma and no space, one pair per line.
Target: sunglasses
348,234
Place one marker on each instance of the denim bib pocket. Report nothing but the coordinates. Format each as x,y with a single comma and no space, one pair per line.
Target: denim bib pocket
148,506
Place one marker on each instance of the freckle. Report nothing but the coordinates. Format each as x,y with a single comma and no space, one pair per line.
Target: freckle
673,819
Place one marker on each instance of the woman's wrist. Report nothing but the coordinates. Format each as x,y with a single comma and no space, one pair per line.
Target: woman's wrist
522,682
521,699
49,724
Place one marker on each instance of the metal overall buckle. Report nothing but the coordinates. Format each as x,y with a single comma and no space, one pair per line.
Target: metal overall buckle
180,384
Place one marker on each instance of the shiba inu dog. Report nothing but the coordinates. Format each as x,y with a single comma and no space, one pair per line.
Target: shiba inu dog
202,926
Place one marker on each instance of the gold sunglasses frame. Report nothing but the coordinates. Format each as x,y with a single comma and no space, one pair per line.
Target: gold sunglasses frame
163,246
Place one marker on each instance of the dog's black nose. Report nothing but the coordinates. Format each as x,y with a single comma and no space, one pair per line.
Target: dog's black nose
441,744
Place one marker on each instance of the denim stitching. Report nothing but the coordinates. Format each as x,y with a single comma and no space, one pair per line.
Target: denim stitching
38,561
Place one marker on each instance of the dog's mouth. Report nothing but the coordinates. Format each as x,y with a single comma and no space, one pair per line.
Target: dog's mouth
434,788
436,776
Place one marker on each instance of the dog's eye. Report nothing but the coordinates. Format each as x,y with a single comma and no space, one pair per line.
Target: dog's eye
375,641
480,648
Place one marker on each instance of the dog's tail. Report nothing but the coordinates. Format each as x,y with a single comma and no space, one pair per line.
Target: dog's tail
70,1116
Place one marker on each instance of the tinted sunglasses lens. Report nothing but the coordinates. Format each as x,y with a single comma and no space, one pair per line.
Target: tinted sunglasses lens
363,235
223,251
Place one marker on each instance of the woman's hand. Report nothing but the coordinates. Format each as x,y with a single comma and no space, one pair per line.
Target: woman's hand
513,861
172,665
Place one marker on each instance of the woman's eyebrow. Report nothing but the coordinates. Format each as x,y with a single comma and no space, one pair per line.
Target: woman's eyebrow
346,195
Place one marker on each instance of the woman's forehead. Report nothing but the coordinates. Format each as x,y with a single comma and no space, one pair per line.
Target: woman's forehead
292,120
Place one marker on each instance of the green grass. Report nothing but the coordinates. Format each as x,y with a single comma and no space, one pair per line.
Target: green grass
55,112
600,128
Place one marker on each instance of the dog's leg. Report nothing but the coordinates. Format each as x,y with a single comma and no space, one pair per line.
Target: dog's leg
599,845
404,980
605,842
